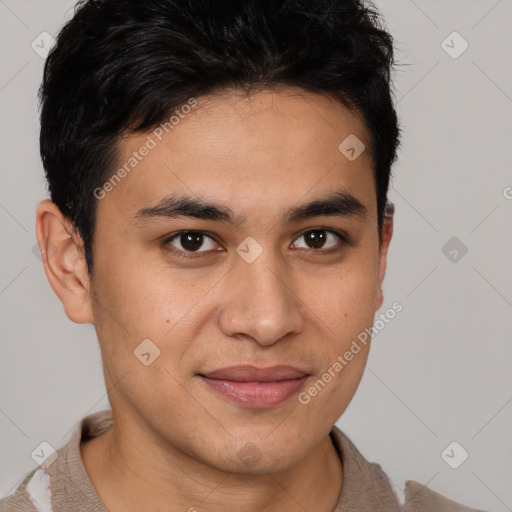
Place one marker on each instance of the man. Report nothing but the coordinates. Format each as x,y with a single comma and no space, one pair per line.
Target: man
218,174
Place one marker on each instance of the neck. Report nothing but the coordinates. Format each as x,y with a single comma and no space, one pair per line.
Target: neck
129,474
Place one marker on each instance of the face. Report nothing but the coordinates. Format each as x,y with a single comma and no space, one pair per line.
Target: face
259,280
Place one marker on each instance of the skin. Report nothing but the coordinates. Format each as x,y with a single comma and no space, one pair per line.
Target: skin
174,442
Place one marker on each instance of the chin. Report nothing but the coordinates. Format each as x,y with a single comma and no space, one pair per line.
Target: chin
263,466
257,458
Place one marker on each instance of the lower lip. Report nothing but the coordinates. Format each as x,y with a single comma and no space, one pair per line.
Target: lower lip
256,394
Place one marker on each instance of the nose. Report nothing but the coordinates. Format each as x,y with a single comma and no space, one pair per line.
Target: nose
261,304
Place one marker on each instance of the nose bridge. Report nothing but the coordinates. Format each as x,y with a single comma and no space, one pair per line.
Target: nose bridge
262,304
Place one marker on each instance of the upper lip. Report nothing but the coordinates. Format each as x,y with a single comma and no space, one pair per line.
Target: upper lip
247,373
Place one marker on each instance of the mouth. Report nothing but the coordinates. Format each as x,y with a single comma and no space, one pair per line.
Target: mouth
255,387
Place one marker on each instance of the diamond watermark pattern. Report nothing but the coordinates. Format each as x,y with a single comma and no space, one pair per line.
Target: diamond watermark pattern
352,147
249,250
50,251
454,249
249,454
454,45
454,455
42,44
146,352
45,454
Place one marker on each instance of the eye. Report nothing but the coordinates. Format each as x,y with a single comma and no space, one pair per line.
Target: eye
321,238
191,242
187,244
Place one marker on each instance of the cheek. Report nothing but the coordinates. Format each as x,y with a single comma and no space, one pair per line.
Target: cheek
344,305
147,298
140,302
145,328
329,394
344,300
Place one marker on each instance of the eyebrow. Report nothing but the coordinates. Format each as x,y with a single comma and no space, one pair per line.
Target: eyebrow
336,204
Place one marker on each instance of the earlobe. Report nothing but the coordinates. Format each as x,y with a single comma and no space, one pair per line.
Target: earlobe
64,262
387,234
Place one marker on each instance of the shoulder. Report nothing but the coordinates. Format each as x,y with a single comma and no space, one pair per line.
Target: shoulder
60,482
381,493
31,495
419,498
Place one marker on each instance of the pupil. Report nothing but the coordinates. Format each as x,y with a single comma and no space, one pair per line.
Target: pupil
191,241
316,239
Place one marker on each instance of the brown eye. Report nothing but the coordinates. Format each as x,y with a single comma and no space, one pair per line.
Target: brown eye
321,239
315,239
191,241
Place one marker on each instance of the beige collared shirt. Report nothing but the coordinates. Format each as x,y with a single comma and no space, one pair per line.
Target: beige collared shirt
64,485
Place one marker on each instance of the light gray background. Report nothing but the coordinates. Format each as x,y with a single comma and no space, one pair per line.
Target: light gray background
439,372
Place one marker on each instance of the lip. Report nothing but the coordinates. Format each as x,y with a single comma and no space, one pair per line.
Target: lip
254,387
248,373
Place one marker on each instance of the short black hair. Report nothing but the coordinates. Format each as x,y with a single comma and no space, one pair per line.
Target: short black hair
122,66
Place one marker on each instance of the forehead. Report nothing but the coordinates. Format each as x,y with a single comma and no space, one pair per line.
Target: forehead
259,151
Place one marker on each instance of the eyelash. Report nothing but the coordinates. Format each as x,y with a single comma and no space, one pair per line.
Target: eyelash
344,238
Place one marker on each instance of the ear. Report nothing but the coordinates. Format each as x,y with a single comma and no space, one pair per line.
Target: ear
64,262
387,233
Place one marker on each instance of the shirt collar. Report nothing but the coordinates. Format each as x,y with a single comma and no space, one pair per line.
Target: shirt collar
365,485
